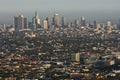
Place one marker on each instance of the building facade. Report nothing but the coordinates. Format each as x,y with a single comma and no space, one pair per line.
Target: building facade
20,22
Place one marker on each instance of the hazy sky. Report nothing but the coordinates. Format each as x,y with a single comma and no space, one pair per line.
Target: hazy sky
90,8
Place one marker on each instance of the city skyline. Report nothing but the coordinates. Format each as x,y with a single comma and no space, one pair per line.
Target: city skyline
70,17
59,40
101,10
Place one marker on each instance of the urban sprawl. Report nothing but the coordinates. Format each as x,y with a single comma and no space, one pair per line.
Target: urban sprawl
55,49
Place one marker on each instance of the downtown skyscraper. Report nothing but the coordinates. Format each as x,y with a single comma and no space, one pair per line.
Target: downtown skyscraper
64,23
56,20
48,22
45,24
20,22
83,22
36,22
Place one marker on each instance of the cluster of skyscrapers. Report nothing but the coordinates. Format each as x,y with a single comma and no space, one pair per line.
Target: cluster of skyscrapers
20,22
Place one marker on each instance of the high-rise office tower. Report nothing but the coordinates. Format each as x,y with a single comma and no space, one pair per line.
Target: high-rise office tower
48,22
36,21
25,23
56,20
83,22
76,23
53,21
95,24
34,26
45,23
64,23
109,24
20,22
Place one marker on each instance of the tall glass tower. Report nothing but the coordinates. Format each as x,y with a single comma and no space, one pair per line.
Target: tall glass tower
36,21
56,20
83,22
20,22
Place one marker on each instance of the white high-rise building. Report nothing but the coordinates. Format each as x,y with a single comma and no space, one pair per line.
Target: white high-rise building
45,23
56,20
48,22
109,24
